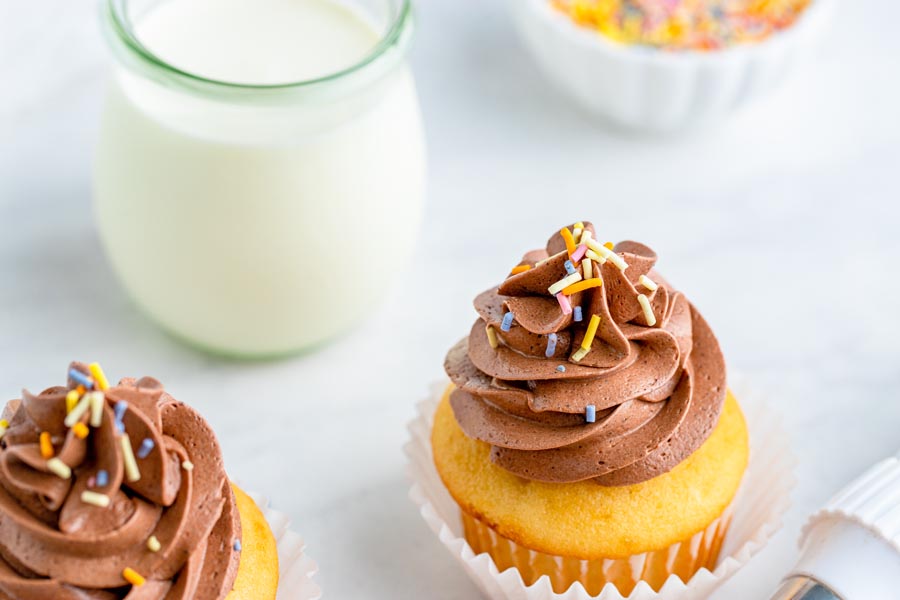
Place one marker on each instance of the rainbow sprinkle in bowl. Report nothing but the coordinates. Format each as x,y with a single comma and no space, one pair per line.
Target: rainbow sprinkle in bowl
667,65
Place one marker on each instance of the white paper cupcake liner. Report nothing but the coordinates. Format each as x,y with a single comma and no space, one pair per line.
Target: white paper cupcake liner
757,511
295,569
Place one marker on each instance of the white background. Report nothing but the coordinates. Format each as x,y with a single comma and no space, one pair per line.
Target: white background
781,225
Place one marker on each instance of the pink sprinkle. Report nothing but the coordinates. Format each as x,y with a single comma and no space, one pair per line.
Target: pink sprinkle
564,303
92,481
579,253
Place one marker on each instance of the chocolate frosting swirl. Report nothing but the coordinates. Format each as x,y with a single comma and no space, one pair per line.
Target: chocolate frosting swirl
657,390
54,545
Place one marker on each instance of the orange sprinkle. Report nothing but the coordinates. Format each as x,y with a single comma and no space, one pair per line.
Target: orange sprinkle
81,390
570,241
609,245
520,269
582,285
80,430
133,577
46,445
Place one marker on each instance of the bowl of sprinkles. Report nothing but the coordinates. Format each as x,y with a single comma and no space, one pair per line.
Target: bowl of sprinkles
666,65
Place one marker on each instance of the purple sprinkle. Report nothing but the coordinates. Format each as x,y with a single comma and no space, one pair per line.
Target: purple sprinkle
81,378
507,322
570,268
590,413
146,447
102,478
578,314
561,368
237,545
551,345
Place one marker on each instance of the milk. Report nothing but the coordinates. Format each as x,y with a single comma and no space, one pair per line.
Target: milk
260,224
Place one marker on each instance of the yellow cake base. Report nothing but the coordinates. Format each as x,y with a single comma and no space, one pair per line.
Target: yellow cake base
584,532
257,576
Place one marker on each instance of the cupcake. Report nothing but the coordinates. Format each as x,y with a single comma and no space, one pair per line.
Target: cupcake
588,434
120,492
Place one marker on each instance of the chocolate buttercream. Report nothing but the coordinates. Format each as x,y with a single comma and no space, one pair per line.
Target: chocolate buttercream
657,391
55,545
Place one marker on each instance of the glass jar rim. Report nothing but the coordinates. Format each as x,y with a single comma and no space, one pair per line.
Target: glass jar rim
123,38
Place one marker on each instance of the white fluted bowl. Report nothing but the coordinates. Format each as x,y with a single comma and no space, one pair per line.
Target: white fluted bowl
647,89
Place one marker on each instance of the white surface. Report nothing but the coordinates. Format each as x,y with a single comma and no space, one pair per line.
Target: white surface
781,226
755,515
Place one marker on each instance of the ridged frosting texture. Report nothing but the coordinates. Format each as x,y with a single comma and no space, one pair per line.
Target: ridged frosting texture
525,386
55,545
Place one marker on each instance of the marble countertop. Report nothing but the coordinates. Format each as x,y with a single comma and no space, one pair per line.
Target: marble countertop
781,225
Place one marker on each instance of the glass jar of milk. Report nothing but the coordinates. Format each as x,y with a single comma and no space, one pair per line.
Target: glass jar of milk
260,171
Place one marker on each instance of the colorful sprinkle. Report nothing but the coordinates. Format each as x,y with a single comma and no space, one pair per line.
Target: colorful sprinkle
99,376
95,499
46,445
609,245
98,400
578,230
595,257
92,482
579,252
564,304
187,465
579,354
570,267
648,310
561,368
591,332
102,478
80,430
493,340
520,269
607,254
59,468
132,472
79,410
4,426
551,345
590,413
153,544
648,283
568,239
585,284
564,283
237,546
585,237
506,324
579,314
146,448
133,577
120,409
72,400
81,378
587,265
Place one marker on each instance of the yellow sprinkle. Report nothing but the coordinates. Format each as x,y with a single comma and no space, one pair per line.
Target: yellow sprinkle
72,400
59,468
564,283
187,465
585,236
568,239
46,445
75,415
99,376
582,285
648,310
4,423
609,245
95,499
97,401
607,254
133,577
80,430
520,269
587,265
591,332
132,472
579,354
492,337
153,544
595,257
578,231
648,283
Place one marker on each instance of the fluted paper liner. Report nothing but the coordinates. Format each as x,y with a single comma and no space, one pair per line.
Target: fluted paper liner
295,569
722,549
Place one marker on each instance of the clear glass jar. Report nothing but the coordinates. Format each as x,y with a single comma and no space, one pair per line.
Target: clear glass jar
259,220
